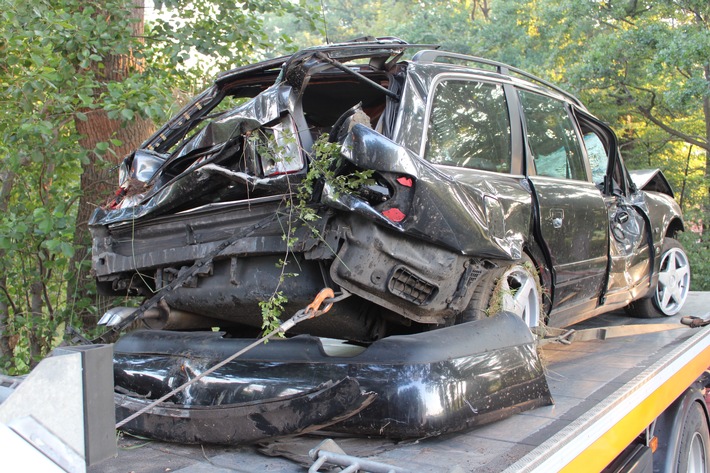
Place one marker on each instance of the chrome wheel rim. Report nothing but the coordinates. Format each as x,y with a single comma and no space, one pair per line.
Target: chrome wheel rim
521,295
673,282
696,455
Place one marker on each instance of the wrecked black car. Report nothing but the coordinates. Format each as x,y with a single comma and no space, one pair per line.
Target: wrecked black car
484,181
436,191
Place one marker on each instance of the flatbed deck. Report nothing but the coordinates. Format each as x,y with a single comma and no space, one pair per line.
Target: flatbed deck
587,379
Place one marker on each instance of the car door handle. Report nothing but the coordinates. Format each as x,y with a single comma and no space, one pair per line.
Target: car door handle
557,217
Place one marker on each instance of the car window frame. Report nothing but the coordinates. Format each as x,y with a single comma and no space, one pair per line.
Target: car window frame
615,167
530,167
514,121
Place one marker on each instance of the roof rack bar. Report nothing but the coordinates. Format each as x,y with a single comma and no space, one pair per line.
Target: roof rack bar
357,75
501,68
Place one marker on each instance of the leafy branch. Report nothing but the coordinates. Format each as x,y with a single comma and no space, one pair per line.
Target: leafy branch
325,167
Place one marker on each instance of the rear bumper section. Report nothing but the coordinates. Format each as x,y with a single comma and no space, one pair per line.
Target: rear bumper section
408,386
247,422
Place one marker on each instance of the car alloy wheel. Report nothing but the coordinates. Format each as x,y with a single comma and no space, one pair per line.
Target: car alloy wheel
673,281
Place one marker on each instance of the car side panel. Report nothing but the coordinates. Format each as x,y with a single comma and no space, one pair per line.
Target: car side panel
574,227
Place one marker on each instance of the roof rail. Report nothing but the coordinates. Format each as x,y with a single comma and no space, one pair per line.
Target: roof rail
501,68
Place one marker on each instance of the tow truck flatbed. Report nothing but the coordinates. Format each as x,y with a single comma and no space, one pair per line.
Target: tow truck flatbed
606,393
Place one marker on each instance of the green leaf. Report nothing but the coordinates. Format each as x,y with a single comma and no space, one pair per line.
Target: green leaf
127,114
5,243
66,249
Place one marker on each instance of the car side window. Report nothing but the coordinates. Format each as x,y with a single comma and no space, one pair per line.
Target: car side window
469,126
552,138
597,155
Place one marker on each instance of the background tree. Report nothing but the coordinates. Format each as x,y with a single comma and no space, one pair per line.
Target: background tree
80,85
107,139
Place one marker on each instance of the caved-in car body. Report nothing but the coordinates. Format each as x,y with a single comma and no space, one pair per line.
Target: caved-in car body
489,188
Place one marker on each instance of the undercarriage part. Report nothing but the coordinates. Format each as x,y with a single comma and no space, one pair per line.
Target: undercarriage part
160,317
426,384
356,319
695,322
182,277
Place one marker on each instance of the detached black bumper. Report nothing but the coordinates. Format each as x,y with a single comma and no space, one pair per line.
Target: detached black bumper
424,384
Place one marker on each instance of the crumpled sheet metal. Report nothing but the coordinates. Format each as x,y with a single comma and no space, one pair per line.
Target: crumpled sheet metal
248,422
262,109
426,384
445,278
473,218
651,179
163,197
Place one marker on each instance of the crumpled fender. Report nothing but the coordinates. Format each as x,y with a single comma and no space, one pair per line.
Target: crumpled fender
469,219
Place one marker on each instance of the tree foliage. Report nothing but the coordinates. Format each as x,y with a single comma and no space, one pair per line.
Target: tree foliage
641,65
57,65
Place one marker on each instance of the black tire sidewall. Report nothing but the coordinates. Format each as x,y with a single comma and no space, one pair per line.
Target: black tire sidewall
694,423
488,285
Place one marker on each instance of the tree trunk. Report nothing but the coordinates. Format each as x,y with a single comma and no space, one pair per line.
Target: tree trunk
681,199
706,201
36,335
98,181
6,348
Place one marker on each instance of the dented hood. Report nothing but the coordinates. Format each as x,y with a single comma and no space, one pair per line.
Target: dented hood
651,180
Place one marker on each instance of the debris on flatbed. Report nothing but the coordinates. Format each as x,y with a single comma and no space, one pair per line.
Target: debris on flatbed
426,384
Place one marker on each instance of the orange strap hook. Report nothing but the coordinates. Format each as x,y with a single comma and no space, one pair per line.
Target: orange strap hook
313,307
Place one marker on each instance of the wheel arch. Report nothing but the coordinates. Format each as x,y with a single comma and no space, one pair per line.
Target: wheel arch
674,227
544,271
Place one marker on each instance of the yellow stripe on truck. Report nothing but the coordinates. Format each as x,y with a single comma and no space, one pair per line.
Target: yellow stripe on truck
603,451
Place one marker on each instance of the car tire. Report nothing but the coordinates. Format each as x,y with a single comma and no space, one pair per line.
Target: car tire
671,290
515,288
694,442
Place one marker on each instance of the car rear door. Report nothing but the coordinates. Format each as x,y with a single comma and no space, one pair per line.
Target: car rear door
571,217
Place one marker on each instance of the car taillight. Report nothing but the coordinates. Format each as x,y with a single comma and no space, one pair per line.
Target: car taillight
394,214
405,181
